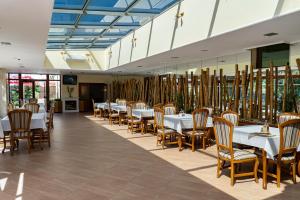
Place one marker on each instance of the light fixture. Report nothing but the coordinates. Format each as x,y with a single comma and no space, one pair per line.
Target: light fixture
174,57
5,43
140,66
270,34
203,50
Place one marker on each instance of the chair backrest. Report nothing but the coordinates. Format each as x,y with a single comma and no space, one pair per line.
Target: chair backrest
139,105
159,105
10,107
117,101
169,109
51,114
231,116
33,100
129,110
289,136
200,118
223,130
283,117
122,102
20,120
159,118
33,107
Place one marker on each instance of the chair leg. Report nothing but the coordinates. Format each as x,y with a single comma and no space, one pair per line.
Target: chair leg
29,143
204,142
294,171
278,174
12,144
4,145
193,143
163,141
180,142
232,174
49,141
218,168
256,169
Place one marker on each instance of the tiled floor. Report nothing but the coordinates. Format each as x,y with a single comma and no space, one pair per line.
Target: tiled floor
90,159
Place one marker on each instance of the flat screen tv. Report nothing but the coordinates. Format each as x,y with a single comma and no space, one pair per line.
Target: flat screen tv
69,79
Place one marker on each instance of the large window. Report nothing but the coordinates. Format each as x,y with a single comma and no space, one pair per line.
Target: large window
43,87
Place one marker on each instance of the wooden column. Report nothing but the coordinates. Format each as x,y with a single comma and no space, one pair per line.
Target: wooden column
250,115
244,113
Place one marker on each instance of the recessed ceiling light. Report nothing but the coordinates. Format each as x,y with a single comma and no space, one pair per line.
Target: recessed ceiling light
270,34
139,66
203,50
5,43
174,57
221,61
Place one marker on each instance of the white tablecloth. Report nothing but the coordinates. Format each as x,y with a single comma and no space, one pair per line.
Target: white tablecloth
141,113
248,135
119,108
105,105
180,123
38,121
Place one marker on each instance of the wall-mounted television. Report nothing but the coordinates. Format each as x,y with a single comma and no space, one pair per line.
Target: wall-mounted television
69,79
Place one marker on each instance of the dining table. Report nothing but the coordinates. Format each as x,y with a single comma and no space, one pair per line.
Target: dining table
144,115
181,122
104,105
269,144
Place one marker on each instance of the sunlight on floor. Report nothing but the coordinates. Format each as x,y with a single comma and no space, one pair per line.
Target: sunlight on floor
201,164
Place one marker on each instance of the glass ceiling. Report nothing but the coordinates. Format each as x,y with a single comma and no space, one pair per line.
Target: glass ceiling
83,24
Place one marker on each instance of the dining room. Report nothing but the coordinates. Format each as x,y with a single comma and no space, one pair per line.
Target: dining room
149,99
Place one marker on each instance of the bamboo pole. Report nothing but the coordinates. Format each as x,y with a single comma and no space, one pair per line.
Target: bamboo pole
250,115
267,100
224,92
186,96
237,92
285,89
276,95
244,94
271,94
221,91
259,94
215,91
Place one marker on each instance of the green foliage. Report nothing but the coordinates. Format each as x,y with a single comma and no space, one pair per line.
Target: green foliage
179,102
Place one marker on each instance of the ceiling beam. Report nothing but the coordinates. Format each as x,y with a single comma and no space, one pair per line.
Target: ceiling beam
128,8
95,26
105,12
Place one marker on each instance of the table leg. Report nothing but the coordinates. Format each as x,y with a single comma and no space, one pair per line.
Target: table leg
264,159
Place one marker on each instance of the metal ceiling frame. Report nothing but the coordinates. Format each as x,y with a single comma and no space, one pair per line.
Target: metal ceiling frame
128,11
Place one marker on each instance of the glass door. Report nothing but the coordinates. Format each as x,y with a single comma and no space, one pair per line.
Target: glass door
27,90
40,91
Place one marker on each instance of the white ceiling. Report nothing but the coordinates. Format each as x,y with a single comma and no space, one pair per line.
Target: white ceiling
25,24
237,41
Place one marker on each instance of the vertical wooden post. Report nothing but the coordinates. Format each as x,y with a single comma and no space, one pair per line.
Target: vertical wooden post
267,95
276,95
221,91
259,94
215,91
225,92
285,89
237,92
186,95
196,92
244,94
271,94
251,93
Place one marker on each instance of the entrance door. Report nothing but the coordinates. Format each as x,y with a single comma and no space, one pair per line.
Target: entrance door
33,89
27,90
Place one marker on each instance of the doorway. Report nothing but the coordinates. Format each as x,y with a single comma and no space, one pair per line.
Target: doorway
89,91
33,89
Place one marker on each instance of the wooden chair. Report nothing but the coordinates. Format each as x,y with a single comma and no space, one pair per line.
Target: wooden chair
122,102
289,142
283,117
33,107
97,111
113,117
42,136
169,109
33,100
10,107
165,135
139,105
50,117
20,121
223,130
134,124
231,116
199,128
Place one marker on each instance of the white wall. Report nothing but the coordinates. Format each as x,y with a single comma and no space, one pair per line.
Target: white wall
3,101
